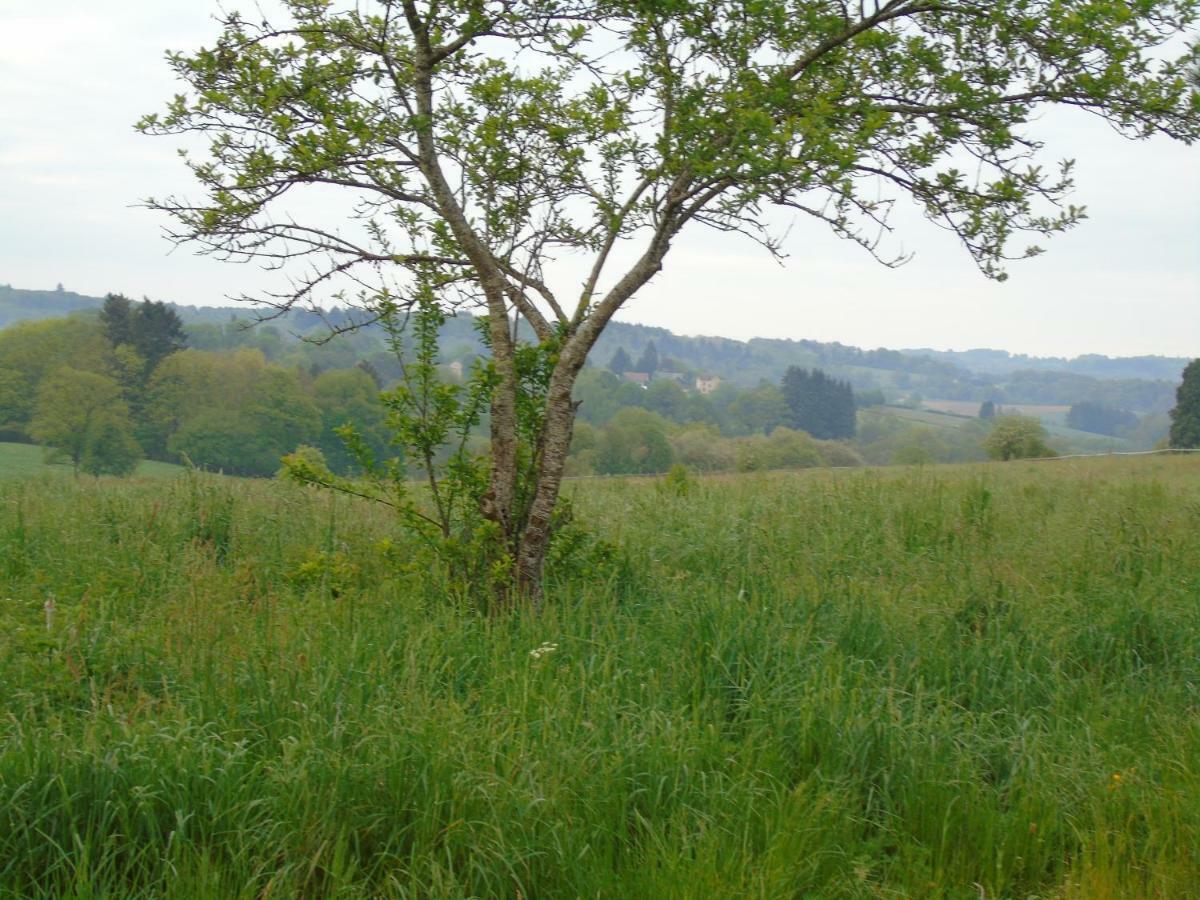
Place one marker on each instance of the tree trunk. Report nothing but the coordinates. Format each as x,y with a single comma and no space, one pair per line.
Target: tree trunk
557,430
501,496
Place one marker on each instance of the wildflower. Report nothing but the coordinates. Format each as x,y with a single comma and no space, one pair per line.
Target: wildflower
544,650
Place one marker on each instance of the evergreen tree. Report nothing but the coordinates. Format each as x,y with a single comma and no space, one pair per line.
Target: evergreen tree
818,404
620,363
157,332
987,409
1185,417
648,361
116,318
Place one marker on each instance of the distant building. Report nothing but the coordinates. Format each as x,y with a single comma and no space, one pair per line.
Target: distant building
639,378
707,384
676,377
456,369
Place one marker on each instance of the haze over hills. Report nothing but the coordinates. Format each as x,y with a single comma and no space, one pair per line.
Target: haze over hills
1142,383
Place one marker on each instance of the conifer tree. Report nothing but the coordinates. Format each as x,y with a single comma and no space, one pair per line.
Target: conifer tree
620,363
648,361
1185,417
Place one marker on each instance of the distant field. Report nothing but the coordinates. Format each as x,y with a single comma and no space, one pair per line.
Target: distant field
951,682
927,417
971,408
25,460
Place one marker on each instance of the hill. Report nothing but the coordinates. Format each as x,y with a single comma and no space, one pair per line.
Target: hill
18,305
1140,384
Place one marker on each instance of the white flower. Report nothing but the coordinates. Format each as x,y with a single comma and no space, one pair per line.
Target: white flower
545,650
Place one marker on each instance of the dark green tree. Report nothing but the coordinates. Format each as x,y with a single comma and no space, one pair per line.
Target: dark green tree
116,319
620,362
157,332
1101,419
1185,417
480,140
110,448
987,409
648,361
822,406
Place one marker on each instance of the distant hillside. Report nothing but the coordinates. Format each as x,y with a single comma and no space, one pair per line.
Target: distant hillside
1142,384
1001,362
17,305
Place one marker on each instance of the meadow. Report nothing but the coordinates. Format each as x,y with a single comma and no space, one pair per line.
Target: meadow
26,460
952,682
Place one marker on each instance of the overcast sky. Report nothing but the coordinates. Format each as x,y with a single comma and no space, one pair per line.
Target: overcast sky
76,74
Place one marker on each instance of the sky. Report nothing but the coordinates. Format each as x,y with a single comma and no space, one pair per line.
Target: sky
73,172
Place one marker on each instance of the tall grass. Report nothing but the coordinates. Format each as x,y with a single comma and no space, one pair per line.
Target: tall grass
961,682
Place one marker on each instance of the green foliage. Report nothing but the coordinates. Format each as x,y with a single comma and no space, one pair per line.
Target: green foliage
620,362
229,412
1185,417
1017,437
783,448
81,417
634,443
648,361
30,351
432,423
110,448
987,409
757,411
350,397
818,404
1101,419
16,401
152,330
116,319
678,481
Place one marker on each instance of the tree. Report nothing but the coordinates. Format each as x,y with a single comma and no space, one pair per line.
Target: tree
81,417
478,139
116,319
987,409
818,404
1017,437
157,332
228,411
349,397
1185,417
620,362
648,361
30,351
757,411
111,448
634,443
1100,419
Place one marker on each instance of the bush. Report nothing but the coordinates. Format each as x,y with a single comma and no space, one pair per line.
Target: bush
1017,437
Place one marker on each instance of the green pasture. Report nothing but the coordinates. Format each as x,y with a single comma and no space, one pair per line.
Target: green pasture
25,460
951,682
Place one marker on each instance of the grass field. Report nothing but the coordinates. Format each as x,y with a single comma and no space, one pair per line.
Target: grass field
1072,439
25,460
956,682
